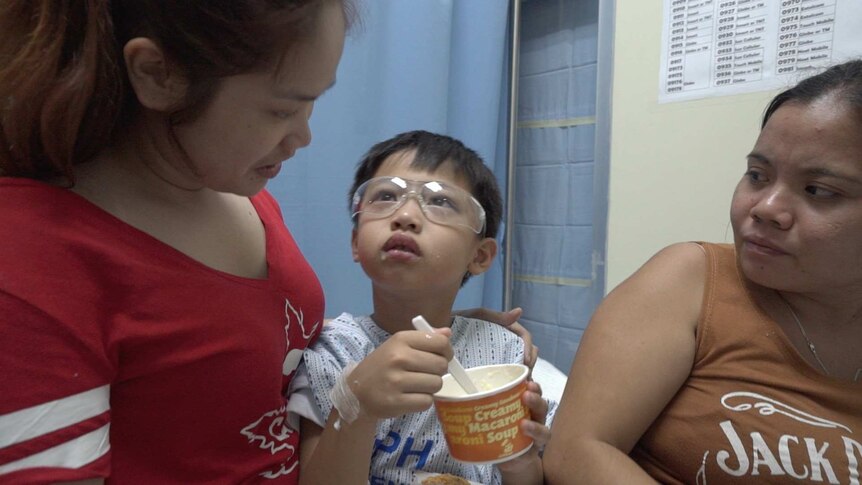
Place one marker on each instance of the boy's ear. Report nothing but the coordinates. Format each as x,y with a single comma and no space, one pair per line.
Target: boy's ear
484,256
354,247
157,85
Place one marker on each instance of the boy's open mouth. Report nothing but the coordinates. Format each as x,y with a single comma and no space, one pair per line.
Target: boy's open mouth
402,243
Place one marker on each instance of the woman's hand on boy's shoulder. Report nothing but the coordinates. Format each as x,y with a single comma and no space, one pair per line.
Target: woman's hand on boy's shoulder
508,319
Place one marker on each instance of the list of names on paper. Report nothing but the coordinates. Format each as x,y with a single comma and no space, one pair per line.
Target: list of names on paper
715,47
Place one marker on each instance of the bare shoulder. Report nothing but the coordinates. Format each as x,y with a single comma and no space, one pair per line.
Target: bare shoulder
681,263
670,283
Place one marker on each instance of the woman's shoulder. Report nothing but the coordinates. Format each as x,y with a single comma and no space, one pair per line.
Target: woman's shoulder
669,286
266,205
21,195
683,253
678,265
35,214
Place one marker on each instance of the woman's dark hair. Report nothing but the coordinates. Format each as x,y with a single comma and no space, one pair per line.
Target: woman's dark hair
845,78
64,90
433,151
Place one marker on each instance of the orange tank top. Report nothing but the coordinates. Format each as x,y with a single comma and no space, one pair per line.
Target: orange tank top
752,410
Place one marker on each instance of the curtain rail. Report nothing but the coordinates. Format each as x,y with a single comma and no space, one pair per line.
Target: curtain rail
512,153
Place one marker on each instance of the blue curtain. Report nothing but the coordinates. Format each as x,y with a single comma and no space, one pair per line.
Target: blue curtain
558,236
437,65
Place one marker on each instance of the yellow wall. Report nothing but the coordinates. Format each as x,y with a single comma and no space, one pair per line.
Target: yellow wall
673,166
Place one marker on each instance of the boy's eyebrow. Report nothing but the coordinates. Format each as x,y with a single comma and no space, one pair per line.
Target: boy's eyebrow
300,96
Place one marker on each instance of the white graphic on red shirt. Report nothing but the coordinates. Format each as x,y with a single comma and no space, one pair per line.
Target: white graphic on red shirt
284,470
754,454
300,319
294,355
271,430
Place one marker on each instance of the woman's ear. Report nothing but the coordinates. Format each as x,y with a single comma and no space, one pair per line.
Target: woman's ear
484,256
157,85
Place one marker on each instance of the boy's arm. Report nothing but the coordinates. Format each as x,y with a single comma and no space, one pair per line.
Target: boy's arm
527,468
532,473
329,455
397,378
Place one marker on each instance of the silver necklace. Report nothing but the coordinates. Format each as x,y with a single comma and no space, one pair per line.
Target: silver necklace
805,336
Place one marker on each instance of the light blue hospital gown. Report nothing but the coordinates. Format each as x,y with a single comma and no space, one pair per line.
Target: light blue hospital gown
413,441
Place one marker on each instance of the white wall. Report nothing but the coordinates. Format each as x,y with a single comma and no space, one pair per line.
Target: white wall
673,166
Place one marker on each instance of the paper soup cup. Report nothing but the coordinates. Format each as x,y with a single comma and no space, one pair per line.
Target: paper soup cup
484,428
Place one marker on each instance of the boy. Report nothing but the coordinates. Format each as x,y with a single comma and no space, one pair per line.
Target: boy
425,211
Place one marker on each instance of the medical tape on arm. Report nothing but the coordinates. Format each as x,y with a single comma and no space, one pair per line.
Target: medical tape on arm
343,399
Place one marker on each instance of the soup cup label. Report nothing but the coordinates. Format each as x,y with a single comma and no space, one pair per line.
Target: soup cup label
487,429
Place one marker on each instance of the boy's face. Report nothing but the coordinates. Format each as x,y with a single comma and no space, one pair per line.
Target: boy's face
406,251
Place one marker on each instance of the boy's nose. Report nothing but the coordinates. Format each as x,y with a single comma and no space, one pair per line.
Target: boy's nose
409,215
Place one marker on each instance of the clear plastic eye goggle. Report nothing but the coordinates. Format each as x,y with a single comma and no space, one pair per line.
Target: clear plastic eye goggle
441,203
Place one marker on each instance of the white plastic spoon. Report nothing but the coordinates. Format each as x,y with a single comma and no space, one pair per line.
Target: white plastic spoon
455,367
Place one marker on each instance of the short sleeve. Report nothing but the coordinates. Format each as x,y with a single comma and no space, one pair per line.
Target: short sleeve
323,365
301,402
342,342
54,398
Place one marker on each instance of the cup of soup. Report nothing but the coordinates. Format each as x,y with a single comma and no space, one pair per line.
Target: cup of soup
484,428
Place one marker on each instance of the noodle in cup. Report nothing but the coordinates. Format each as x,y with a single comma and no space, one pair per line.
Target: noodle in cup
484,428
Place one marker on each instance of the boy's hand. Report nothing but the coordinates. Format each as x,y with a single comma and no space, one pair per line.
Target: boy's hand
400,376
534,428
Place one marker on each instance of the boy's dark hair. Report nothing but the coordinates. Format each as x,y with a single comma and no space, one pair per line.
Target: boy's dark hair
845,79
432,152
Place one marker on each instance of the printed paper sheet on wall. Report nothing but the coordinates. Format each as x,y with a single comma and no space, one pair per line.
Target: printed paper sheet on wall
721,47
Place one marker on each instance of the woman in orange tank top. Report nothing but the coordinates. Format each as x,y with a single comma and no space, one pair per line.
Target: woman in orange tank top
739,363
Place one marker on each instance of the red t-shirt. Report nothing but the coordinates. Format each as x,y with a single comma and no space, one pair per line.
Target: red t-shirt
121,357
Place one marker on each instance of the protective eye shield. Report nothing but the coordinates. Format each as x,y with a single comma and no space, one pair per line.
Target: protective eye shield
440,202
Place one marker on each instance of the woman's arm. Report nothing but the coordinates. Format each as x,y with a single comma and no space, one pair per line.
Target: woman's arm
636,353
